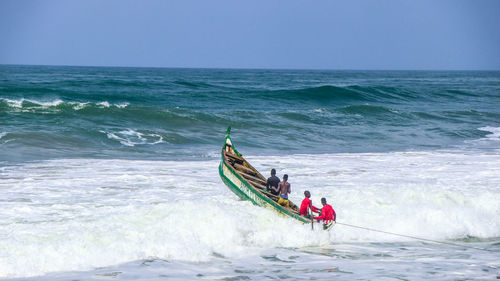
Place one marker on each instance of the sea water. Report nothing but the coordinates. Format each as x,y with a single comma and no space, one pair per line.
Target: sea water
112,173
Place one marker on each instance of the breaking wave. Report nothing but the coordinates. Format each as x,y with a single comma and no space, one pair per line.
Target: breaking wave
114,211
34,106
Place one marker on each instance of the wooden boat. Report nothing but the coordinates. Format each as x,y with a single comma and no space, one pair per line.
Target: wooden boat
246,182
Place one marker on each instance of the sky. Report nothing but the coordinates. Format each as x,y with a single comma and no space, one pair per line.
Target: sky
291,34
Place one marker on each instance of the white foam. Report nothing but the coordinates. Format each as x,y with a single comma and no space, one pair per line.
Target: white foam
104,104
107,104
13,103
122,105
495,132
79,105
20,104
489,142
49,103
131,137
80,214
3,134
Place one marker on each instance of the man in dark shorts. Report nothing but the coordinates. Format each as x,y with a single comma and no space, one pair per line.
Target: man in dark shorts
272,183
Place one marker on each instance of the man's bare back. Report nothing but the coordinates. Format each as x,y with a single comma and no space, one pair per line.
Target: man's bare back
284,188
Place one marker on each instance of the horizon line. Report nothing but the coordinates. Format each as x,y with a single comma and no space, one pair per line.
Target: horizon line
246,68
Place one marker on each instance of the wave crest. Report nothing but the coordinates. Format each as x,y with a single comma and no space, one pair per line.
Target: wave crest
132,138
34,106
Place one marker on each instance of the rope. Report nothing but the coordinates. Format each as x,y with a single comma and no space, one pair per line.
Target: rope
417,238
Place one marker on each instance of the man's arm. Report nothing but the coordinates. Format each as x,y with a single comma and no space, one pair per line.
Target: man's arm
313,209
321,217
278,189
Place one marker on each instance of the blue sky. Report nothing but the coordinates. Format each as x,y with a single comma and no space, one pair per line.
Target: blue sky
384,34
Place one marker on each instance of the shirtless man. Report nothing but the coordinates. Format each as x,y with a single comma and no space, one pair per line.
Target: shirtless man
284,190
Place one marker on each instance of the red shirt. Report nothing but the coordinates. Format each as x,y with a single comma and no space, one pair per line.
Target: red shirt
327,213
305,205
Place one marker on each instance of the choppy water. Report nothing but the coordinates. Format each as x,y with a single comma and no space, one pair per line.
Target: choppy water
111,173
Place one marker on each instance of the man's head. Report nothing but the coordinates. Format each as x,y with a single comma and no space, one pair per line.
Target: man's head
323,201
285,177
307,194
273,172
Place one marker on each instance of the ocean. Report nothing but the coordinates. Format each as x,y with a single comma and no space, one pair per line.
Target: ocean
110,173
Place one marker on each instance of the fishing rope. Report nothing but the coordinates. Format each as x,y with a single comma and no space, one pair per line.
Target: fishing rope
414,237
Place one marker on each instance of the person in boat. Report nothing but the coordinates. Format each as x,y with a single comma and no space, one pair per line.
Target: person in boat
327,213
272,183
284,190
306,205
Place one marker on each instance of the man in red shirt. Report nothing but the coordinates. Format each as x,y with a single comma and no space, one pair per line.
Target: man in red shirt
306,205
327,213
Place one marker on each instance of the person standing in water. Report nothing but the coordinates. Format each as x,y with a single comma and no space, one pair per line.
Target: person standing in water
327,213
284,189
272,183
306,205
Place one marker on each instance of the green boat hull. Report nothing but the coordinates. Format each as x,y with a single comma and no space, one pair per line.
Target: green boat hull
243,189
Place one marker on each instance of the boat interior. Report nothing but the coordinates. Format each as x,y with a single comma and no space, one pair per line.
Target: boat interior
251,175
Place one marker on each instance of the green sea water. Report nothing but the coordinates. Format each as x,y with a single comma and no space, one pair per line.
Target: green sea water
153,113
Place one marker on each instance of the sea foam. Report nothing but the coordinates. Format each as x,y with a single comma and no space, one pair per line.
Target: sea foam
131,137
31,105
78,214
495,132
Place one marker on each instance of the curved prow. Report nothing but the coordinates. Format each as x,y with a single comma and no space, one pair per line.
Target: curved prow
246,182
228,144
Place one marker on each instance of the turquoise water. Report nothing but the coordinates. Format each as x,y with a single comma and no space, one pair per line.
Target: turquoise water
111,173
141,113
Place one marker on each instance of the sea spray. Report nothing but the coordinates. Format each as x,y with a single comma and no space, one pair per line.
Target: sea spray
181,211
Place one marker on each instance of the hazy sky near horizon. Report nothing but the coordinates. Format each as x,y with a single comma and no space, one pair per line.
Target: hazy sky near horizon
383,34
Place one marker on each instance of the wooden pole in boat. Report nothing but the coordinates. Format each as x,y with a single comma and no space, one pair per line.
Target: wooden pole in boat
312,216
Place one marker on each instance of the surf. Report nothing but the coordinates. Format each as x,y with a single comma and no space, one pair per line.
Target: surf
126,207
